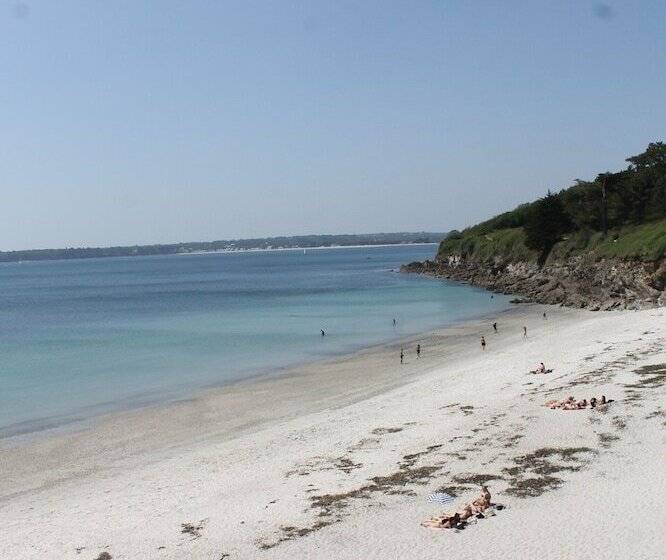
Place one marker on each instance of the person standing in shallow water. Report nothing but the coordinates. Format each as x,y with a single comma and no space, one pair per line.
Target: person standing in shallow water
418,350
402,355
524,332
394,323
323,333
483,343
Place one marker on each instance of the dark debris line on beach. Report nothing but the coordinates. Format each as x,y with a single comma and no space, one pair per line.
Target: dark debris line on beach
531,475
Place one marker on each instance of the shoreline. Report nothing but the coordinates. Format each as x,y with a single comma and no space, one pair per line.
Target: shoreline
340,457
300,382
45,427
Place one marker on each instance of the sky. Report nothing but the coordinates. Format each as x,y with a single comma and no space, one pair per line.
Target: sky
135,122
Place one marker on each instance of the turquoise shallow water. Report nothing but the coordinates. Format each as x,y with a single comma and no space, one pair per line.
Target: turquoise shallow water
82,337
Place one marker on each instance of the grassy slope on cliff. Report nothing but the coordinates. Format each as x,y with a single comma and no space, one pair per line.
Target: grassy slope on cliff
633,211
645,242
506,244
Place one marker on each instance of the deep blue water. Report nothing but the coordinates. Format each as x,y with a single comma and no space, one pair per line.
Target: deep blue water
80,337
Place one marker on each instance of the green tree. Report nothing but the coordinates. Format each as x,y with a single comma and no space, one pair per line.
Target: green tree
546,222
654,157
645,188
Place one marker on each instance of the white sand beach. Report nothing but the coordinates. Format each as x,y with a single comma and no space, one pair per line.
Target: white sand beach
336,459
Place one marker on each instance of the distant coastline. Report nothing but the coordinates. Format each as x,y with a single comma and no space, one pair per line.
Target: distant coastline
297,242
317,248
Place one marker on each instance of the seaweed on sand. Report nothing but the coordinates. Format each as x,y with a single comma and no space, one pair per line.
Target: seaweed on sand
193,529
533,473
475,479
330,506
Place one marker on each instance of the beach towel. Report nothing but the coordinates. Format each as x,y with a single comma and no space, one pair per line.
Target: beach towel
440,498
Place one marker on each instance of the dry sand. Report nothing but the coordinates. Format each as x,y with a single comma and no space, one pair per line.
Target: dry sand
336,459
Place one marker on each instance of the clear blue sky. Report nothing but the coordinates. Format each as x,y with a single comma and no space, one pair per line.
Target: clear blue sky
137,122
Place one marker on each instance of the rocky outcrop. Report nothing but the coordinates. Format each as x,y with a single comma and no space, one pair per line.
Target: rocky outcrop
576,282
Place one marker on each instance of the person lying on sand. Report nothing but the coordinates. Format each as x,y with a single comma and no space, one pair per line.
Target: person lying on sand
571,404
541,368
452,520
466,512
567,404
445,521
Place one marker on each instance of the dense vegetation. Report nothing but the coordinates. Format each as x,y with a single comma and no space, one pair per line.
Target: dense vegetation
619,214
300,241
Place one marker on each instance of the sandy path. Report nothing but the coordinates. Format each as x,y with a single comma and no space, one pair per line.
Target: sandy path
335,460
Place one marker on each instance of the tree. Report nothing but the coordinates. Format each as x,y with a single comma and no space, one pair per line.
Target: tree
653,157
546,222
604,180
649,169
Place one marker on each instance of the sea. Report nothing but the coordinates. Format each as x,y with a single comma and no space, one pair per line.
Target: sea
84,337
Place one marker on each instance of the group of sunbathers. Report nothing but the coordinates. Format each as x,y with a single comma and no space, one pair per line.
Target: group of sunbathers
453,520
572,404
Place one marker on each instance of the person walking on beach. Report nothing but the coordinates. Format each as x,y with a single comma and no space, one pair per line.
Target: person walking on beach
402,355
524,332
418,351
544,314
495,327
483,343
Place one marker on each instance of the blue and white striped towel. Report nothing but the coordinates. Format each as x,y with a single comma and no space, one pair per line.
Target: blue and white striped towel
440,498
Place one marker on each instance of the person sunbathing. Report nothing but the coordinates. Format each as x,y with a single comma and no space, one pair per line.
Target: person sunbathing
451,520
569,403
466,512
446,521
482,502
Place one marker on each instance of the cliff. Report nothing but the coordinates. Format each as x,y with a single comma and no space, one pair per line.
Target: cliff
626,268
574,282
598,244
